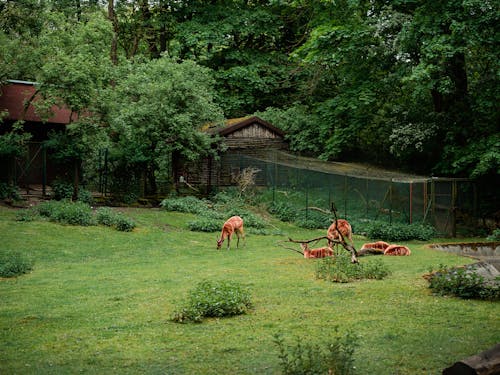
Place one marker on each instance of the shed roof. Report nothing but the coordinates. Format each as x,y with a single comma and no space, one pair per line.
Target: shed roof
235,124
16,94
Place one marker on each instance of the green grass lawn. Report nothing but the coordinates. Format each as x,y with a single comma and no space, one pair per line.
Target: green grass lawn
100,301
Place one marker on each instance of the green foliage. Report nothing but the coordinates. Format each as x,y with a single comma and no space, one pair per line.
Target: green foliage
205,224
214,299
108,217
62,190
334,356
339,269
494,236
67,212
7,191
463,283
14,263
188,204
284,211
380,230
14,142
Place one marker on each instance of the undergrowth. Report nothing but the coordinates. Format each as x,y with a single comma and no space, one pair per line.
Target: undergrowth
214,299
14,263
339,269
335,356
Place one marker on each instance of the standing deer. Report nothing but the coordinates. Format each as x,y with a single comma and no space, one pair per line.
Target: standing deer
339,231
232,225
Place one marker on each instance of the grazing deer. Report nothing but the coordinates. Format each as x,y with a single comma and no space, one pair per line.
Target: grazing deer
340,230
320,252
232,225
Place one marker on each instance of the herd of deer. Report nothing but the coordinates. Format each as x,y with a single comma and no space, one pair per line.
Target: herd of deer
337,233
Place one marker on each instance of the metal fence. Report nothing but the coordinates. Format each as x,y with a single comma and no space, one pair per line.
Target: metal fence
450,205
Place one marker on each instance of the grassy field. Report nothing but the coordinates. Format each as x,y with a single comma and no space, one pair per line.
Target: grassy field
100,301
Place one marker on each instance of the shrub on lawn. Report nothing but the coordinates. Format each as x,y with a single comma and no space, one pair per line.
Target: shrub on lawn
13,263
340,269
107,216
214,299
462,283
335,356
67,212
399,232
185,204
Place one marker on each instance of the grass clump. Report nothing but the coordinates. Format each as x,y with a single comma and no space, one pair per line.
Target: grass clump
335,356
108,217
463,283
339,269
214,299
13,263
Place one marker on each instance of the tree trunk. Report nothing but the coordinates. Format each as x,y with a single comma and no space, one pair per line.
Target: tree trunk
485,363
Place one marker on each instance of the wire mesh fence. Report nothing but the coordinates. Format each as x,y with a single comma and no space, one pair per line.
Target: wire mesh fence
447,204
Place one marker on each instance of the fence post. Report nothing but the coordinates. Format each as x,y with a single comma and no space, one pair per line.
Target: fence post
411,197
44,170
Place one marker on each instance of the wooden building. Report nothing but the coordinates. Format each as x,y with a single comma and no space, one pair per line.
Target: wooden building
242,137
16,104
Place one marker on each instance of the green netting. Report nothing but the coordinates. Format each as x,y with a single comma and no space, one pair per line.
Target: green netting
443,203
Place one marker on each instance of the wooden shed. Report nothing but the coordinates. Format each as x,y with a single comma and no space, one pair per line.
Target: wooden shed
16,104
242,137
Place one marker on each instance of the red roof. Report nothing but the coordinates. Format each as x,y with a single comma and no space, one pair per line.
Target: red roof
15,94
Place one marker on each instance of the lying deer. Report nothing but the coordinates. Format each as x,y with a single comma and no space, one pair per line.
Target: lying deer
233,225
320,252
342,226
397,250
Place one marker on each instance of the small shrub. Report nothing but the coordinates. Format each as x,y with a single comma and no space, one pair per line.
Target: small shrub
13,263
495,236
283,211
214,299
124,224
8,191
335,356
28,214
339,269
399,232
185,204
62,190
462,283
205,224
106,216
67,212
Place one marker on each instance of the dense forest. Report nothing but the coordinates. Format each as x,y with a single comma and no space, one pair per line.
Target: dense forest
408,84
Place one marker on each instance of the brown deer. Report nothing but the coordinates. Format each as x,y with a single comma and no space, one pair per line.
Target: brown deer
233,225
340,230
320,252
397,250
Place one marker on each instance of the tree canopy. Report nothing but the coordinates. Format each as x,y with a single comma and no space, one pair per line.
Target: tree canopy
407,84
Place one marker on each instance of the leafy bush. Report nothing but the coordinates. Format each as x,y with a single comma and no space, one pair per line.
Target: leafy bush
205,224
335,356
62,190
214,299
283,211
185,204
399,232
340,269
67,212
28,214
106,216
462,283
495,236
13,263
8,191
